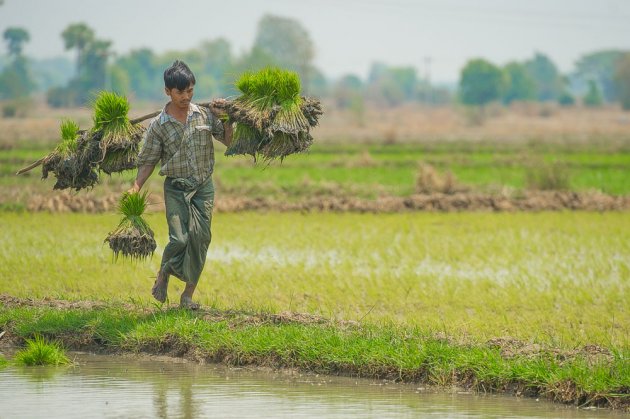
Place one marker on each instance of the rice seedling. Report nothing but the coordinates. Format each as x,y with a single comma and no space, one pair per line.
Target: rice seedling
69,135
272,119
114,134
133,237
67,162
38,351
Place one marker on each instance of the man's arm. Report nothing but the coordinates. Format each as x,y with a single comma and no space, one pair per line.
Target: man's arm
143,174
228,132
225,131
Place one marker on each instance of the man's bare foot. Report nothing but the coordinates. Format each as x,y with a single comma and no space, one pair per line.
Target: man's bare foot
160,288
187,302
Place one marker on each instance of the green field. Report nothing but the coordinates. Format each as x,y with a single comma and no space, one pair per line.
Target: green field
368,171
561,279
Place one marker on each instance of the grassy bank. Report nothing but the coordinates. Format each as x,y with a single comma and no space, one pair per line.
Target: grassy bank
309,343
559,279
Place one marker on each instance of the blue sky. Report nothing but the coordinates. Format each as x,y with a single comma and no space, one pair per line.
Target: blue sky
435,36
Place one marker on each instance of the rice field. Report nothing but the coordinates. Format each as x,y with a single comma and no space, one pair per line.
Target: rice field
369,171
561,279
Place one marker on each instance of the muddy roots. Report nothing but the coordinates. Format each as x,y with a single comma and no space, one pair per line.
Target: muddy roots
131,243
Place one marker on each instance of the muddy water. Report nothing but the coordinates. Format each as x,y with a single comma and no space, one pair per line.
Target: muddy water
109,386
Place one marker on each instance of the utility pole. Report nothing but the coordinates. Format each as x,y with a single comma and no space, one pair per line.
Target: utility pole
427,78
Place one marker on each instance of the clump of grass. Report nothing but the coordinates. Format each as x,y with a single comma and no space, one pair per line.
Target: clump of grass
133,237
38,351
272,119
552,176
118,139
3,361
429,180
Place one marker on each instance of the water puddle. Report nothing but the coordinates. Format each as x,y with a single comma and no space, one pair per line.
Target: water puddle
125,386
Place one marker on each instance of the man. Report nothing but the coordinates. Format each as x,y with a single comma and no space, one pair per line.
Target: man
181,138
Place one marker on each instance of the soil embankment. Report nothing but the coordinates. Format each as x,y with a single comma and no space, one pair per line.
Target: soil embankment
435,202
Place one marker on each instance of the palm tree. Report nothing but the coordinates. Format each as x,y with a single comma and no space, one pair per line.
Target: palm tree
15,38
79,36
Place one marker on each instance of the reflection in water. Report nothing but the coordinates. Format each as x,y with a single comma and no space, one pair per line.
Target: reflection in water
108,386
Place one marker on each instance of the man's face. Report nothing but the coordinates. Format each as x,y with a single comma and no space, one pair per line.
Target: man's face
180,98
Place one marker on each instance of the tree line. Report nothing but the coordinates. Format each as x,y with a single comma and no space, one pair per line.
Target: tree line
599,77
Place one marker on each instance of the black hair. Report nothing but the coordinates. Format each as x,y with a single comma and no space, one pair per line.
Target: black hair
178,75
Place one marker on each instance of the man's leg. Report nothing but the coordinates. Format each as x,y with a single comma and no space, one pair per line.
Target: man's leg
177,219
199,234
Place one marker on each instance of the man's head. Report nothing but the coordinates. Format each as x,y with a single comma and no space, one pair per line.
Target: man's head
179,82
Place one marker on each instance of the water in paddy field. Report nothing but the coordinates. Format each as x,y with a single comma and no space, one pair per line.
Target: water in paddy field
115,387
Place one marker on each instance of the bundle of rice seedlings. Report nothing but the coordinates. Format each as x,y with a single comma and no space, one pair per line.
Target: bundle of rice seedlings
272,119
133,238
66,162
118,139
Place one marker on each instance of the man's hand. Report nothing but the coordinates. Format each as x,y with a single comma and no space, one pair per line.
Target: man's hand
144,172
217,107
135,188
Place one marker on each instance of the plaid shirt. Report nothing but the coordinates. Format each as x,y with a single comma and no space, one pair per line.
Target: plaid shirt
186,151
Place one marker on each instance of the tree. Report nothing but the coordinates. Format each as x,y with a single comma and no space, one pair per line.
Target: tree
549,83
347,89
600,67
622,80
566,99
392,85
143,72
92,56
16,81
218,63
593,97
519,84
15,37
288,43
79,36
256,59
96,54
481,82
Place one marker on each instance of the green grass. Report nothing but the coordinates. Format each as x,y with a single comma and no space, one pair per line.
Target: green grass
368,171
369,350
561,279
3,361
39,351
